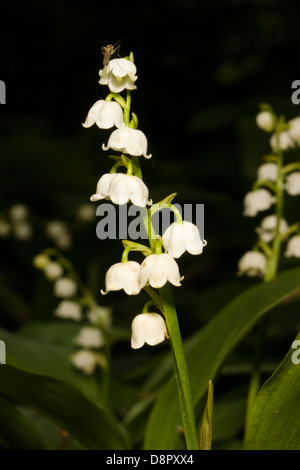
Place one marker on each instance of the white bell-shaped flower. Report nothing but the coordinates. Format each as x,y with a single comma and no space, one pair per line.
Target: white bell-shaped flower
252,263
86,361
123,276
90,337
181,237
128,140
265,121
285,141
119,75
294,130
259,200
105,114
268,226
65,287
267,171
148,328
121,188
293,247
102,190
292,183
157,269
69,309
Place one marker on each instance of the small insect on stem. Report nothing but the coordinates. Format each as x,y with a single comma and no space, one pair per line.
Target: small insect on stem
108,51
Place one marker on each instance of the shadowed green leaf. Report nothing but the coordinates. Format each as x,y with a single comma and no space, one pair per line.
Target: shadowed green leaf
275,417
62,403
213,345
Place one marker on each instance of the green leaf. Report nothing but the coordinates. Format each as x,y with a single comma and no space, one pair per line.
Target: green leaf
211,348
15,430
46,349
275,417
65,405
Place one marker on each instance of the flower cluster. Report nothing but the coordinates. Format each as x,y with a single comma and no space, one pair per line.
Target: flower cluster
77,304
159,265
274,179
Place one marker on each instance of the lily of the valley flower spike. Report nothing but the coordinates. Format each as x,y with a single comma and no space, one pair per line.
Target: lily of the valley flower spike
158,269
121,188
148,328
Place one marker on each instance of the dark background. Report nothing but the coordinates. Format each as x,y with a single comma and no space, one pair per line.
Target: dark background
203,69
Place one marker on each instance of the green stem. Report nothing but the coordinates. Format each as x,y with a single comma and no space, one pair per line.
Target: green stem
127,108
180,368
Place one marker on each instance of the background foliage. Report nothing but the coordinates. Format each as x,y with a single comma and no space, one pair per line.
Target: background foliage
203,69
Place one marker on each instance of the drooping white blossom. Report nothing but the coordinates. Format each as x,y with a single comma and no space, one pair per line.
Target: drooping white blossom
53,270
22,229
256,201
157,269
181,237
294,130
252,263
18,212
292,183
100,316
123,276
129,141
105,114
69,309
65,287
119,75
85,360
148,328
293,247
285,141
267,171
265,121
89,337
267,228
121,188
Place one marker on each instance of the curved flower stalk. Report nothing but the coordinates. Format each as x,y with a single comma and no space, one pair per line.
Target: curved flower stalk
159,269
275,180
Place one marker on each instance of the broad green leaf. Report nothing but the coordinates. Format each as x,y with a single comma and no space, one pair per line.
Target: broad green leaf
15,430
37,353
61,402
214,343
275,417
